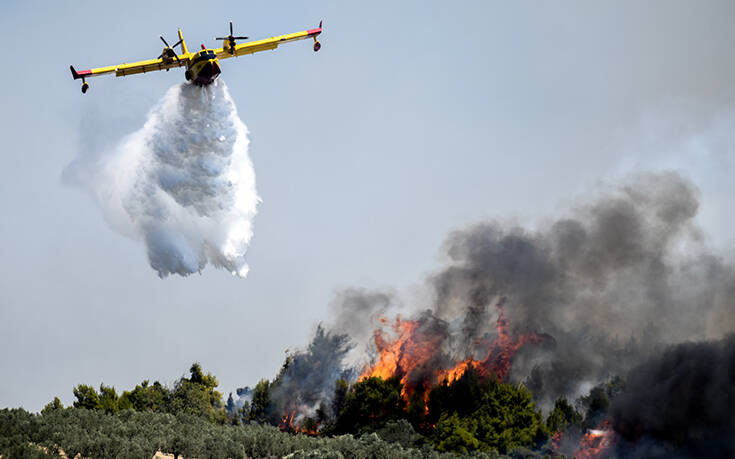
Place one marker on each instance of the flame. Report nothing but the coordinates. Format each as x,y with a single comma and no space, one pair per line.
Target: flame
596,441
408,351
455,373
288,425
405,353
287,421
556,441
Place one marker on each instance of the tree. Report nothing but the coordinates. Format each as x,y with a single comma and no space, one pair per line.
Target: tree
483,414
595,404
86,397
562,416
456,434
53,405
416,411
341,387
259,407
145,397
370,403
197,396
108,399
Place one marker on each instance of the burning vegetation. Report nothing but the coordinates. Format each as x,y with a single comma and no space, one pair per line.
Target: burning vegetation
562,341
564,312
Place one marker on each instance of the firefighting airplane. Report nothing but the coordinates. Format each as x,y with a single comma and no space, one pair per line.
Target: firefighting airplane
202,67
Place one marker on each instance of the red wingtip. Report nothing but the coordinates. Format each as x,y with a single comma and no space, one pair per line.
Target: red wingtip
316,31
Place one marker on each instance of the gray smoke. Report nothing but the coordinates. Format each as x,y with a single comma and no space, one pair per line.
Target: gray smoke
307,378
615,280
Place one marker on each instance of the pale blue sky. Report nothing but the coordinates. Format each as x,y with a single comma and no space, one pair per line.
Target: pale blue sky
414,119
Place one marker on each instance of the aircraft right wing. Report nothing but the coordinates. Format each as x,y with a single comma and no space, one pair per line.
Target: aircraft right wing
268,43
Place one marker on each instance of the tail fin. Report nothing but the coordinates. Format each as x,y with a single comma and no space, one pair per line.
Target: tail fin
74,72
184,50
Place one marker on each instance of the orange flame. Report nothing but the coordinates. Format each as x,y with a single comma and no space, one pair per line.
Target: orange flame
407,351
595,442
410,349
287,420
287,424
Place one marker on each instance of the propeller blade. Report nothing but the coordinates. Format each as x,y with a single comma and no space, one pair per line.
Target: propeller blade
230,27
240,38
160,57
221,38
164,42
177,43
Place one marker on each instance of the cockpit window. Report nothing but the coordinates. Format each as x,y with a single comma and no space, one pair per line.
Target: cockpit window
205,56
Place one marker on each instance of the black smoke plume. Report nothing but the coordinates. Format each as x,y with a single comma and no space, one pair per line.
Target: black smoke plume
680,404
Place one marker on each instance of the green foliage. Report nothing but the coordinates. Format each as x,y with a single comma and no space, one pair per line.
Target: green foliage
562,416
259,407
471,415
53,405
146,397
195,396
86,398
456,434
596,403
400,432
133,435
462,396
341,387
108,399
370,404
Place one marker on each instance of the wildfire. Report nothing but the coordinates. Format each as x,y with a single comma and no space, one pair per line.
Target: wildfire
287,421
287,424
595,442
408,352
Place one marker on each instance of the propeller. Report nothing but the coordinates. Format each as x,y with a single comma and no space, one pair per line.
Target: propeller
169,51
231,38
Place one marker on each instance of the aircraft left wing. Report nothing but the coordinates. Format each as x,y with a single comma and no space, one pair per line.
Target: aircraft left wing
121,70
268,43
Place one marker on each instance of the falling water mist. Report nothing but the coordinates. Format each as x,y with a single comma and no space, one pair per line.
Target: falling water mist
183,183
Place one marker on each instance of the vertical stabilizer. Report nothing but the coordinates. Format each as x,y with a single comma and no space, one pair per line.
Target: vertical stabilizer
184,50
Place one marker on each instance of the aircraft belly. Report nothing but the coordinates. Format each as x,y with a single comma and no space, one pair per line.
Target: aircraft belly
205,73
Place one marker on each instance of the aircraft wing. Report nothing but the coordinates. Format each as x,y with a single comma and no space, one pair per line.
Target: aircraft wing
150,65
266,44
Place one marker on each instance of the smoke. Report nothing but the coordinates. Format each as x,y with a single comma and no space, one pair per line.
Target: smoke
183,183
582,298
680,403
308,377
306,381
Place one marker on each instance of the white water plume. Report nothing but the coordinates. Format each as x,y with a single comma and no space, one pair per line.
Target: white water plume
183,183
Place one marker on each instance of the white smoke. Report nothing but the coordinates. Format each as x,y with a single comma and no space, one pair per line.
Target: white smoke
183,183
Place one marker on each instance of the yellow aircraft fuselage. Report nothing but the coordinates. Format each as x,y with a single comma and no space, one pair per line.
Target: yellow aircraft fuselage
203,68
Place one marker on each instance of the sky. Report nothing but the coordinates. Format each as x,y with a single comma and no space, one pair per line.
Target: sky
414,119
